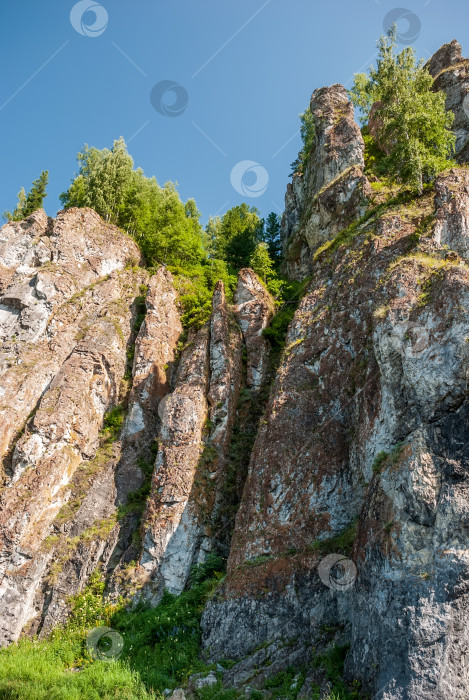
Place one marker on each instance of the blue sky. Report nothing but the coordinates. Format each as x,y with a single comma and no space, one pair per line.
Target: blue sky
245,68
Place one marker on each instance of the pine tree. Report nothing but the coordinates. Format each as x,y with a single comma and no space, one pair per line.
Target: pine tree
37,194
413,126
29,203
272,236
17,213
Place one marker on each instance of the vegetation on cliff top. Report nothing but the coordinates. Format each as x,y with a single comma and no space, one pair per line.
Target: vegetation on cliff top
409,120
29,203
167,230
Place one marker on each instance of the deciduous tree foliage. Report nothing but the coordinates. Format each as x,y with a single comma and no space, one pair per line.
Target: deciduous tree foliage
167,230
412,124
240,230
261,262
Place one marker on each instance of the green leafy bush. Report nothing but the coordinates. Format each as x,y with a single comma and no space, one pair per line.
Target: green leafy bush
308,133
113,422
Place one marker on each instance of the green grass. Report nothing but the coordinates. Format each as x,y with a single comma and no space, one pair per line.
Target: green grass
286,684
341,543
161,648
391,459
332,663
42,671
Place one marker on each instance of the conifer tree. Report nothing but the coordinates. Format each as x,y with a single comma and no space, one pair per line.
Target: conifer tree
272,236
37,194
31,202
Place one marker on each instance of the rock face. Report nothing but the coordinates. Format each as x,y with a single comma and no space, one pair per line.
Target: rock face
183,521
340,494
64,355
372,366
354,509
45,267
171,523
452,213
451,73
155,350
94,383
93,535
333,191
254,309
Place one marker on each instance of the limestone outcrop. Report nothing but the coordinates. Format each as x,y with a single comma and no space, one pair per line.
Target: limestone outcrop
451,73
333,474
365,433
84,328
102,393
333,191
352,515
171,522
254,309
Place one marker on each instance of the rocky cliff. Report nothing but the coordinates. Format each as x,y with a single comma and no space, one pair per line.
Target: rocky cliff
335,483
353,517
116,424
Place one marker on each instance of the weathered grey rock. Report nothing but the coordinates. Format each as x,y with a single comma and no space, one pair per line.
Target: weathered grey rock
178,694
254,309
205,681
451,73
376,356
171,522
155,352
451,229
46,268
333,191
63,432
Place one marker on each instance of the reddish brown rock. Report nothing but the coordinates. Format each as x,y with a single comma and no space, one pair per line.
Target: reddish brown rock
451,73
451,229
48,264
113,545
63,432
376,363
447,55
155,351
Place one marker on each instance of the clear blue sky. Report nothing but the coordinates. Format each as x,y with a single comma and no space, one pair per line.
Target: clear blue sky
248,68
